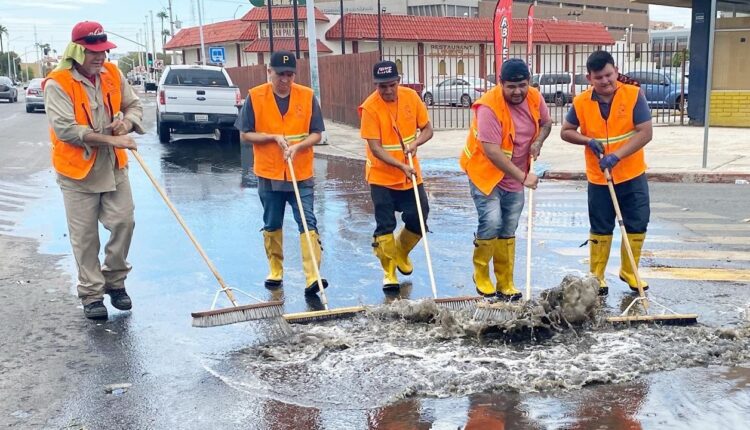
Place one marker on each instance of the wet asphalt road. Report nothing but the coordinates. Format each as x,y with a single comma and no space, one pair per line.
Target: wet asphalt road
197,378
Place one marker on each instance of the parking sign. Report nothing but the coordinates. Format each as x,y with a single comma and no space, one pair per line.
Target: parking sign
217,54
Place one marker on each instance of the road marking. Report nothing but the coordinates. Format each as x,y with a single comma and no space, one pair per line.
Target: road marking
721,227
683,254
650,238
688,215
696,274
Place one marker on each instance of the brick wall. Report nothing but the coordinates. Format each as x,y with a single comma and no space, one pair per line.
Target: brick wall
730,108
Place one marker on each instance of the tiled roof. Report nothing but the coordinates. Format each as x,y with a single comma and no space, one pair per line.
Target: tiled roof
282,13
451,29
283,44
225,31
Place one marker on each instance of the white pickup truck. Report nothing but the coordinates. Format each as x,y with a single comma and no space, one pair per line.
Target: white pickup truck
197,100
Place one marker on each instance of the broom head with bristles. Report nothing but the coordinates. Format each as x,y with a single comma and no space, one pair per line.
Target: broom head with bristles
458,303
498,311
664,319
226,316
324,315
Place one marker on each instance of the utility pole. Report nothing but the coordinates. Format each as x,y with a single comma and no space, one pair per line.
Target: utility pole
380,32
270,27
171,21
296,28
36,44
341,23
153,41
200,25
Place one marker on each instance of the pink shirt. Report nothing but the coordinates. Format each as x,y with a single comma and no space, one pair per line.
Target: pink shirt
490,130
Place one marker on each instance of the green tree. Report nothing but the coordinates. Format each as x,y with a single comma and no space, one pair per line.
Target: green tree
677,57
3,30
29,71
4,64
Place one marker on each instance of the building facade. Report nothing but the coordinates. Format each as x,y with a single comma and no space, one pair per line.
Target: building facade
624,19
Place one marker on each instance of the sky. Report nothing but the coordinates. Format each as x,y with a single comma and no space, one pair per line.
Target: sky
55,18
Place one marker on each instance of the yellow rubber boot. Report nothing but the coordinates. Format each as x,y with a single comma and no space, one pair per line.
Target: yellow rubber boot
626,270
384,247
503,262
405,242
311,278
483,250
599,246
272,241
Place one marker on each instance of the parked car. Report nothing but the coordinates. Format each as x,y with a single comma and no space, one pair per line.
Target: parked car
196,99
34,95
660,88
8,91
555,87
456,91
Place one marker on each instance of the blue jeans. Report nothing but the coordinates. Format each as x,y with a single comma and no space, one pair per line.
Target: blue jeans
498,213
274,203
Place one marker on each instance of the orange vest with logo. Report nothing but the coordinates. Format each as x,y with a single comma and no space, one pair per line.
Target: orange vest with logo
294,126
377,172
68,159
613,133
481,170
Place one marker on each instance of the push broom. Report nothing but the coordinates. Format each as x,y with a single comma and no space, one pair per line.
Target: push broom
670,317
224,316
452,303
508,311
325,314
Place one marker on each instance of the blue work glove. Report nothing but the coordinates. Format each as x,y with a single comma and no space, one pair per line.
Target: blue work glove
608,162
596,146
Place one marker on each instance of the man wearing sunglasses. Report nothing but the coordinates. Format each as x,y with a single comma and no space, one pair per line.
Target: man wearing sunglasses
394,122
283,120
91,108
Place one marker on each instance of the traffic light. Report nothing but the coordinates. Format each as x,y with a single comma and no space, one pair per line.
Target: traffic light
150,59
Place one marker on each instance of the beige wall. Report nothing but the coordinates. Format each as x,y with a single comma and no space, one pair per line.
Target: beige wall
730,69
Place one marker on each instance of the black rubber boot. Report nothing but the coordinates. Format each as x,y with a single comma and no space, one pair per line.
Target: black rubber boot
120,299
313,288
95,311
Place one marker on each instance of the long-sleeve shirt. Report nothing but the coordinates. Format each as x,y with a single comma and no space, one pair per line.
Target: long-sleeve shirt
104,175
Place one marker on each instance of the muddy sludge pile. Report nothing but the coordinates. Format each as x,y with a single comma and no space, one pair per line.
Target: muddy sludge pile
416,348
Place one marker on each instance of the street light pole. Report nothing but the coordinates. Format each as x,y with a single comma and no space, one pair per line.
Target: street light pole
380,32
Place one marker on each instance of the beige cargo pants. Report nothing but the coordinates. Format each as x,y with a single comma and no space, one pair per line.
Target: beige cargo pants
114,210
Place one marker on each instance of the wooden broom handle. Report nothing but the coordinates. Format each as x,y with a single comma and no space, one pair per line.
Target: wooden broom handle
530,211
625,240
177,215
310,248
422,226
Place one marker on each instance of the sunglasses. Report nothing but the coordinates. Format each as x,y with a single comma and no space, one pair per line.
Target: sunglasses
93,38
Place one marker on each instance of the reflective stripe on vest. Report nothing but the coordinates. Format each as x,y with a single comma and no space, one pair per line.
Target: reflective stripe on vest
481,170
613,133
269,160
378,172
68,159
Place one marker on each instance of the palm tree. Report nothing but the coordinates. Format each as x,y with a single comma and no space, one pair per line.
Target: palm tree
162,15
3,30
164,34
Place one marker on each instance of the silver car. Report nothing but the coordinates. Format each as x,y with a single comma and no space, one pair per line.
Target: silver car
456,91
8,91
34,95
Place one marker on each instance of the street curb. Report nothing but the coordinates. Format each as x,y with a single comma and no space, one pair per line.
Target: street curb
679,177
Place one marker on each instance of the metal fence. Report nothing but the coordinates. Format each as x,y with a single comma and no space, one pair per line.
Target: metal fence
451,81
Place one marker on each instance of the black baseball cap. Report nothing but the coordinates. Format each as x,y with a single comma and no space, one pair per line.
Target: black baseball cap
514,70
283,61
385,71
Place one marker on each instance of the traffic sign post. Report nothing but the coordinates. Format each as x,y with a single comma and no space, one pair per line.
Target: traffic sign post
217,54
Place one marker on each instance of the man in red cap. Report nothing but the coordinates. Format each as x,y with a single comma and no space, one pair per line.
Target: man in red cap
91,108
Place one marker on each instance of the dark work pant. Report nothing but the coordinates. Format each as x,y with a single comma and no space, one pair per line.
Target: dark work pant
274,203
634,206
387,202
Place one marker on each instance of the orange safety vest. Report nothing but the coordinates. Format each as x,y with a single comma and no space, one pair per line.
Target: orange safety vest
483,173
294,126
613,133
377,171
68,159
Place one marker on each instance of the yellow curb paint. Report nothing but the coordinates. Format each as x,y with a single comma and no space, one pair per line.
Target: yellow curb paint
696,274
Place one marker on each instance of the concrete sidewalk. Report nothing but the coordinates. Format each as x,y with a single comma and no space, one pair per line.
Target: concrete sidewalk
674,155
